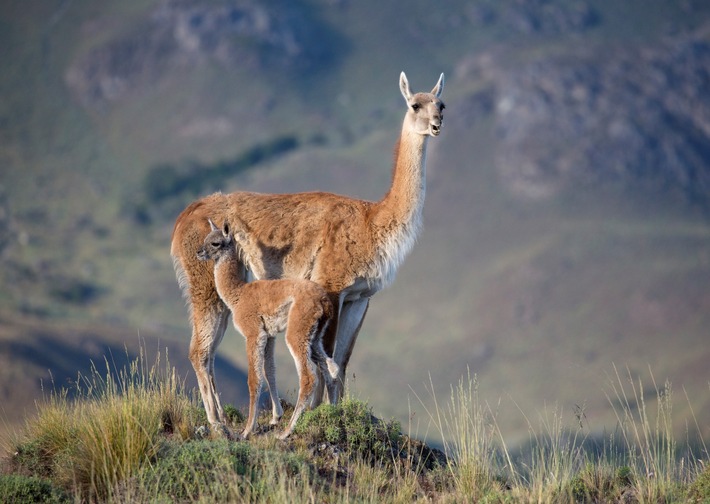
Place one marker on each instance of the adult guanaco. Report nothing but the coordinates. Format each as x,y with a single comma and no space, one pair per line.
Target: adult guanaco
351,247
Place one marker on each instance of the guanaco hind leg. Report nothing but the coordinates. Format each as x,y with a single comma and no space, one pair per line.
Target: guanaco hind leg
209,325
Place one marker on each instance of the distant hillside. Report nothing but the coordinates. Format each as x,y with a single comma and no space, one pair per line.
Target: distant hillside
566,221
261,37
596,115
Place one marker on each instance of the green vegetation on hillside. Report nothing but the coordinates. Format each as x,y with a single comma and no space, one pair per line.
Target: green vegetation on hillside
166,180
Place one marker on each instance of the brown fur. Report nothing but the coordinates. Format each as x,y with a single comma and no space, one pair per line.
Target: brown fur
262,309
351,247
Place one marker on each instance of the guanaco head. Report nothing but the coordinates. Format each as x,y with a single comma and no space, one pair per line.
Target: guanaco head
222,246
219,241
216,243
425,114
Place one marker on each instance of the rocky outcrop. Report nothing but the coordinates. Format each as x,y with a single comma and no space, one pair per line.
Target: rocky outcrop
534,16
601,114
241,33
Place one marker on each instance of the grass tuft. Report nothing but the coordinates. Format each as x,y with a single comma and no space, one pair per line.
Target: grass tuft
640,462
108,431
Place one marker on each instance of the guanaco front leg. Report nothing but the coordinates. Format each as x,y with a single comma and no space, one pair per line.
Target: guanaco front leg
350,319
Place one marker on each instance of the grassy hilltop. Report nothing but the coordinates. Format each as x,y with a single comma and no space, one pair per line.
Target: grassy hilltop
566,227
134,435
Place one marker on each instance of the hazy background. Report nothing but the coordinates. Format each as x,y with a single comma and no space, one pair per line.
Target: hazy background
567,224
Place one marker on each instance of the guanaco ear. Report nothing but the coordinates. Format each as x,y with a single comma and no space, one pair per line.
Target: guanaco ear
238,224
239,229
404,87
439,88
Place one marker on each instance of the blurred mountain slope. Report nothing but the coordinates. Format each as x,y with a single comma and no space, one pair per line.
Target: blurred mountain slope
566,217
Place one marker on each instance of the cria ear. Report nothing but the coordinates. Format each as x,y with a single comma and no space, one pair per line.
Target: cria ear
225,229
404,87
439,88
212,226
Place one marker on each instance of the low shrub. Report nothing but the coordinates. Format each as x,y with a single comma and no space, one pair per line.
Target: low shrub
234,416
20,489
351,427
699,491
217,471
186,471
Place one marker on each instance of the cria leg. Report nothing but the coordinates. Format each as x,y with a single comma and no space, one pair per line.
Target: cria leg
255,379
328,371
270,372
299,342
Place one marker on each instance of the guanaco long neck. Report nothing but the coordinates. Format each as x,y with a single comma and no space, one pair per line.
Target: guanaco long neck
229,276
398,216
405,198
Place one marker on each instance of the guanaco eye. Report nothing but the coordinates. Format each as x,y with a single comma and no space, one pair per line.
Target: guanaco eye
416,107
